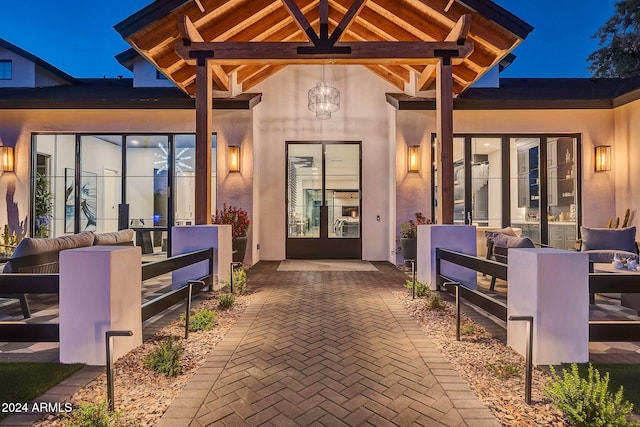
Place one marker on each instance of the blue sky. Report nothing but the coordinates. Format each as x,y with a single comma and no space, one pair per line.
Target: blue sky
77,36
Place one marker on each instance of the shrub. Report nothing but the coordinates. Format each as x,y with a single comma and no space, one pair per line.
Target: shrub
422,289
467,328
504,370
434,301
237,217
588,402
165,359
202,320
95,415
226,301
239,281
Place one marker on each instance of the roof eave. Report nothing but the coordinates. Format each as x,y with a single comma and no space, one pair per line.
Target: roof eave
146,16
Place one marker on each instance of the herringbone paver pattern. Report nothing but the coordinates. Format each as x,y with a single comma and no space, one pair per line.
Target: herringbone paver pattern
326,348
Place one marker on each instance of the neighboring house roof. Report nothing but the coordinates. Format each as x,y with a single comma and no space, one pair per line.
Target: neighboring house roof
535,93
39,62
112,94
127,58
153,32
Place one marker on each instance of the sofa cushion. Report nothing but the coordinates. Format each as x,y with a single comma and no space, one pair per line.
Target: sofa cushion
606,256
620,239
34,246
114,237
506,241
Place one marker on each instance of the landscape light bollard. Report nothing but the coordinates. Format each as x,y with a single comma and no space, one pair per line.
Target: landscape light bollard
187,314
413,277
108,336
529,356
457,286
233,264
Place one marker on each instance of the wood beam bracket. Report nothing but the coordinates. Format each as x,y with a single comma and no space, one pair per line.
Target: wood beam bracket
446,55
200,56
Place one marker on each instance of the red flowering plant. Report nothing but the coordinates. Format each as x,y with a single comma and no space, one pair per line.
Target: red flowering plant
237,217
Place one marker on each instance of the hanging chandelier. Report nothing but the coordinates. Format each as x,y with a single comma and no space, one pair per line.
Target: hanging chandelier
324,99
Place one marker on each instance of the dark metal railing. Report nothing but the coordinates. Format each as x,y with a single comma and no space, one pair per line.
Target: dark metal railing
18,284
10,283
613,330
154,269
481,265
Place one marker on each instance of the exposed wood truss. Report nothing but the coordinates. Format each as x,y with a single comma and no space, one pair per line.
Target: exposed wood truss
332,24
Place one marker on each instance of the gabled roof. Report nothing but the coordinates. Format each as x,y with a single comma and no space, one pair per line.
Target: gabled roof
41,63
153,32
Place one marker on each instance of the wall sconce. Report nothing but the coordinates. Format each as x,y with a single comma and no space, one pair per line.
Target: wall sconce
603,158
413,158
7,159
234,159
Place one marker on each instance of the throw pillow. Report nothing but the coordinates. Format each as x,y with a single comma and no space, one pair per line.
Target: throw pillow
621,239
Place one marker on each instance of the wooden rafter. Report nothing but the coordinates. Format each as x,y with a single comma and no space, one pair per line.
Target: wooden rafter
190,35
361,53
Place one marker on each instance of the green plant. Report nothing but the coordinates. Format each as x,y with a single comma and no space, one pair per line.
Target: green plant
468,328
239,281
434,301
625,222
422,289
587,402
202,320
504,370
96,415
409,229
226,301
42,206
165,359
237,217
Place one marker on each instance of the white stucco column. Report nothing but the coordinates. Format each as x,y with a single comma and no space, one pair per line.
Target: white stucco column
458,238
100,290
552,285
191,238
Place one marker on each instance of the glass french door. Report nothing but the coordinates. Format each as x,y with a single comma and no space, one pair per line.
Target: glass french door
323,200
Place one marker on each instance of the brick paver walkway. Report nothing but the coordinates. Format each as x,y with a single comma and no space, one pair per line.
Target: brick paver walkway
326,348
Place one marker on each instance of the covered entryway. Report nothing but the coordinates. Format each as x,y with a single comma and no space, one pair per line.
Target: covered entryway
323,200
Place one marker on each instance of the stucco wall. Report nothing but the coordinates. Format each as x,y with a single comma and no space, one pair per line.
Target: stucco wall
362,117
625,157
23,70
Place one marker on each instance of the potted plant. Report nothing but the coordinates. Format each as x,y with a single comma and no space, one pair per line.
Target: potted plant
43,206
239,221
409,236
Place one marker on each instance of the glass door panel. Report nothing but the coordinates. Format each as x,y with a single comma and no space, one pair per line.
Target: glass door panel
100,182
561,191
342,180
486,183
304,190
459,180
525,185
323,200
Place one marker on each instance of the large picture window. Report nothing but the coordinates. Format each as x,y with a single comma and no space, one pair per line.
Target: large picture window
6,69
528,182
108,182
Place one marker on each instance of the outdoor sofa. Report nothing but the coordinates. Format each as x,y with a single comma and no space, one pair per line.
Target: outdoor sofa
41,255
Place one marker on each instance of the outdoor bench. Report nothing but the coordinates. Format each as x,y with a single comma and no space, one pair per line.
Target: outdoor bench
42,255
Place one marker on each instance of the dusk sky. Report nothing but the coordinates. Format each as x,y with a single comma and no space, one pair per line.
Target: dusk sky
77,36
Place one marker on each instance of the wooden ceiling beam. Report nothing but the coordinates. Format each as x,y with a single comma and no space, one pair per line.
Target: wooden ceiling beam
261,76
301,20
382,52
460,31
346,20
190,35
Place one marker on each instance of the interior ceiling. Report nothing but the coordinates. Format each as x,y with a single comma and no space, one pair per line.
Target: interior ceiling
270,20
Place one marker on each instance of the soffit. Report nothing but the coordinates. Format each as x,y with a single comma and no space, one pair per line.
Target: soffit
154,32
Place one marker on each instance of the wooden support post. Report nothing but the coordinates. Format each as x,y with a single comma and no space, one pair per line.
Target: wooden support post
444,148
204,127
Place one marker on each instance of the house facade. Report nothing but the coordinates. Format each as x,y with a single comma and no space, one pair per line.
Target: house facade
117,153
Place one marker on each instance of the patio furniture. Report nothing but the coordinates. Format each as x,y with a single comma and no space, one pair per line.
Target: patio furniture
41,255
602,244
629,300
498,245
